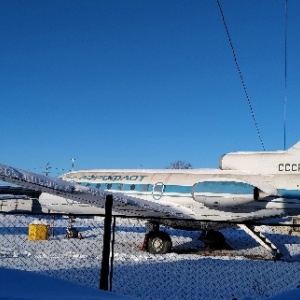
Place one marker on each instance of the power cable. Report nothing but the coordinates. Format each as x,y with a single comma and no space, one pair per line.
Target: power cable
241,75
285,75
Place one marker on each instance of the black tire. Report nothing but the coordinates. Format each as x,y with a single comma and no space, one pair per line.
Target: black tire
159,242
73,233
213,240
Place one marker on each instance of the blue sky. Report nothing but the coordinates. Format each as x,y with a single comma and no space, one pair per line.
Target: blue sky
124,84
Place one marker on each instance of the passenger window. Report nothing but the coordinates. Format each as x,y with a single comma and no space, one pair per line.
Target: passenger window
132,187
108,186
146,187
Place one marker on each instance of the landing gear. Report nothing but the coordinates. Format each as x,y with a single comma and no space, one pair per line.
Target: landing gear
156,241
213,239
72,232
159,242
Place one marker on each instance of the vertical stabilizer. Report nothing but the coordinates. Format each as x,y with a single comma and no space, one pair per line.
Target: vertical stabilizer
295,149
264,162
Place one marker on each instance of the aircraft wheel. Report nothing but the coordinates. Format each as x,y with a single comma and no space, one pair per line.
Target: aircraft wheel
159,242
72,233
213,239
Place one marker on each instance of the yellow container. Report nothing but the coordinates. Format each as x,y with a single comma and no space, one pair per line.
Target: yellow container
38,232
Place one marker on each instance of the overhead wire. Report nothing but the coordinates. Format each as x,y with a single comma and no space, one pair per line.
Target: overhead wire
240,75
285,75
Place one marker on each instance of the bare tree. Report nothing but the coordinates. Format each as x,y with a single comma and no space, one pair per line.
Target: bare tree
179,164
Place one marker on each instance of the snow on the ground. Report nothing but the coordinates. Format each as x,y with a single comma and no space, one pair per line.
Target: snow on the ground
290,295
25,285
139,274
18,285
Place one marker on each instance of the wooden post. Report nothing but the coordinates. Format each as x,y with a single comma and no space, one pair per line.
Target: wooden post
104,277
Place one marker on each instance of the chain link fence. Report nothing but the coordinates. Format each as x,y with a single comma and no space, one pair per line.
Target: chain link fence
243,268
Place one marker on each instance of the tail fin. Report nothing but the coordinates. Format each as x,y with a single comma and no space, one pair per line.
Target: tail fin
295,149
272,162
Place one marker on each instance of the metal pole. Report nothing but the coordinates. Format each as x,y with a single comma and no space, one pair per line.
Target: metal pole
104,277
112,254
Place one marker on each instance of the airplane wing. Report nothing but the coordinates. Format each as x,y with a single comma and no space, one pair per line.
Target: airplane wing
123,204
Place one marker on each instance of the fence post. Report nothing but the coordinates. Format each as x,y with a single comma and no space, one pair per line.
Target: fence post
104,277
112,254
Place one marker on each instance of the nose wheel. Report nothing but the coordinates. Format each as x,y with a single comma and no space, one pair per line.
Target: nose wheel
72,232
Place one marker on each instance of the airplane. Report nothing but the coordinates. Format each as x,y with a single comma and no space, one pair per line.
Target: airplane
247,186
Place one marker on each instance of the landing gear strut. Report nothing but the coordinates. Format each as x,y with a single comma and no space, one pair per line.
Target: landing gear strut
213,239
72,232
156,241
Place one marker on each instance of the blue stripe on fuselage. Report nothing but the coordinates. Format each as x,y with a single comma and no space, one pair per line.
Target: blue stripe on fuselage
289,194
216,187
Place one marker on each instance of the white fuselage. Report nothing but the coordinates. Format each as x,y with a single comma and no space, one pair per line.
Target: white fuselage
247,185
182,188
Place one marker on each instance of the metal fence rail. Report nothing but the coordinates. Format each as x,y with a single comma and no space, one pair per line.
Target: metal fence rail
188,272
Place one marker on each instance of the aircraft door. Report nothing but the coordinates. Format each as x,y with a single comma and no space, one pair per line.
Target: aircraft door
158,190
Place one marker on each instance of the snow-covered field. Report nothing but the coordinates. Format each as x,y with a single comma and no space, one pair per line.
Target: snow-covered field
145,276
23,285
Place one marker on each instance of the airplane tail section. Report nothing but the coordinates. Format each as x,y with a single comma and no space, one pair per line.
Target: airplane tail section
295,150
272,162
